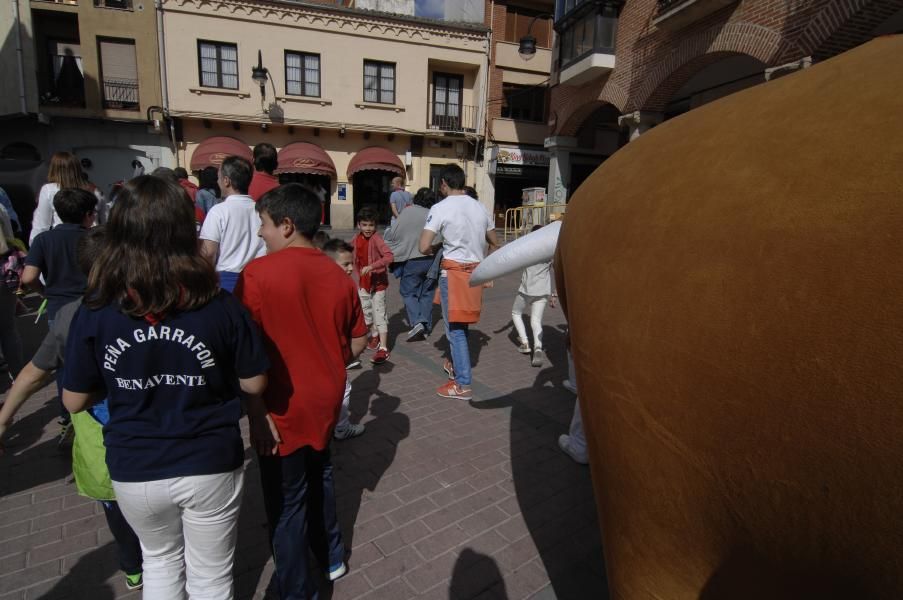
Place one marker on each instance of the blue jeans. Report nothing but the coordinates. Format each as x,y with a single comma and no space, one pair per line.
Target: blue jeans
417,291
457,339
299,498
227,280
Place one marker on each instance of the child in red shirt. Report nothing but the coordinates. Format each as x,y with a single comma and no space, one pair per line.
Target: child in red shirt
313,326
372,258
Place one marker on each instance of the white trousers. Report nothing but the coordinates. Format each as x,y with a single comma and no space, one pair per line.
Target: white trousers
374,305
577,439
187,526
537,305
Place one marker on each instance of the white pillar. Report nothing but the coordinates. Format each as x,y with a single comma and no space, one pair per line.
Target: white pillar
559,148
639,122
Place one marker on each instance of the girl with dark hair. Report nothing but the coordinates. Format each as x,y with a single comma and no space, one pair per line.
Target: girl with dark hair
65,172
208,190
172,353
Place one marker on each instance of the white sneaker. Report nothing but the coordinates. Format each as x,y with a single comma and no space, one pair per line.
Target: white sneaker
349,431
337,572
564,442
538,357
524,348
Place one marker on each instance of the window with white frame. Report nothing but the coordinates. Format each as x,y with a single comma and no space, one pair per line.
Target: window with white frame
379,82
218,64
302,74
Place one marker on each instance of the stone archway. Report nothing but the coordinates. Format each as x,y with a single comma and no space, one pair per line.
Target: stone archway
844,24
576,104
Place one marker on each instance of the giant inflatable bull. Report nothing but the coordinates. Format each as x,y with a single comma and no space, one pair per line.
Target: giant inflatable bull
733,281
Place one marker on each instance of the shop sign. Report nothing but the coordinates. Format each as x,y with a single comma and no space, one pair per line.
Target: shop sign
522,156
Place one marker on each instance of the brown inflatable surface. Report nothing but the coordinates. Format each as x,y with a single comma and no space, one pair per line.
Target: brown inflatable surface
734,286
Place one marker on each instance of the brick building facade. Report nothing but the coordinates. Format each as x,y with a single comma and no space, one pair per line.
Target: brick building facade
658,52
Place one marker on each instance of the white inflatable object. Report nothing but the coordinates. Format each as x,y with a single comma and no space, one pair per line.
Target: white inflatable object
532,249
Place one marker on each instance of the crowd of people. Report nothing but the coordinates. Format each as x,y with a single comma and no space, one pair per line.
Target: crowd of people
175,309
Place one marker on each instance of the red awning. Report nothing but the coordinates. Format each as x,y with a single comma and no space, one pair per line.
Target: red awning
304,157
375,158
212,151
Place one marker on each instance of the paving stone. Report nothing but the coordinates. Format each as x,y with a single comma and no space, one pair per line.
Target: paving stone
424,497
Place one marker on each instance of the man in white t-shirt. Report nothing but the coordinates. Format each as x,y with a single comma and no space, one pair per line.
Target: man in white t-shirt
229,235
466,229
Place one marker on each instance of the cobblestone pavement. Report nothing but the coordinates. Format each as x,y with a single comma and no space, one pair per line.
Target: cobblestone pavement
438,499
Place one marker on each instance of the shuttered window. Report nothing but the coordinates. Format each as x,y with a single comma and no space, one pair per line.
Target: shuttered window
119,72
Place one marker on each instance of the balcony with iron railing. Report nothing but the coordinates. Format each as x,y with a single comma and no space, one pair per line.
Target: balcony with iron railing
675,14
453,118
120,94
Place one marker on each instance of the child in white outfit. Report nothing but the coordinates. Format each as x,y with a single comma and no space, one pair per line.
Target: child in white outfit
535,292
341,252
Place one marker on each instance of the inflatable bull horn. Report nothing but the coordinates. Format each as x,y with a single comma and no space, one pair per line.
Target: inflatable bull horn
733,281
534,248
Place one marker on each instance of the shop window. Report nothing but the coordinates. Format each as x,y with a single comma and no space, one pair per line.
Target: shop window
218,64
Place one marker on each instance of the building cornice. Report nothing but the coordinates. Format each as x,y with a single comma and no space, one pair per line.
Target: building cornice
350,22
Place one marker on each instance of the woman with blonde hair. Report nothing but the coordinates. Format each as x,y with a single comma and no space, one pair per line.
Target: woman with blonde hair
65,172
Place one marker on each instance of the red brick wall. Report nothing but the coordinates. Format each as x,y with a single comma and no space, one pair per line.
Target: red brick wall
652,63
495,19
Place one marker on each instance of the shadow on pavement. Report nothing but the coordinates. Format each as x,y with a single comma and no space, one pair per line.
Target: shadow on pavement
28,462
554,494
476,574
81,583
361,462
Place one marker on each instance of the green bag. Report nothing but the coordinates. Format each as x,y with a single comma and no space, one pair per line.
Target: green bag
89,458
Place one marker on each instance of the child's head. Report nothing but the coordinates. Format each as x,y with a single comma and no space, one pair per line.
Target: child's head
366,221
74,205
65,170
320,238
150,262
425,197
535,228
341,252
286,213
87,251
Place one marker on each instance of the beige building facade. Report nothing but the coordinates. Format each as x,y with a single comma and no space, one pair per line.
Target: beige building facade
82,76
351,98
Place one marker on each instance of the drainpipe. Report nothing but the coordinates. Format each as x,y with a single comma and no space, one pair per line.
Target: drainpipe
164,86
20,60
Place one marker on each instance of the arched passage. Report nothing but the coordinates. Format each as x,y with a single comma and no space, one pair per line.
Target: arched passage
705,79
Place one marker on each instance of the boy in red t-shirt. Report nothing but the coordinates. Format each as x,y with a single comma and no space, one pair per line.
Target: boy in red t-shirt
313,326
372,258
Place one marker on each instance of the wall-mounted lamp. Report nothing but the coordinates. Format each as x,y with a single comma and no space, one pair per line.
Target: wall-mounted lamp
260,75
342,132
527,48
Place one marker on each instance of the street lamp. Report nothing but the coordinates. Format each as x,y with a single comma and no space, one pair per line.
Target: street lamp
527,48
260,75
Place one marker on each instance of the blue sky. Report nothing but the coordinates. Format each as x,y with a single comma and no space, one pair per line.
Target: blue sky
433,9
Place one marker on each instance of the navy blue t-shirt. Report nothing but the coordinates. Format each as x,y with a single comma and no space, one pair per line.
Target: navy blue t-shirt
53,252
172,387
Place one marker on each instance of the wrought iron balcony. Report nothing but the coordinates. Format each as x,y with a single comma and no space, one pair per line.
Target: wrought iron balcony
458,118
121,94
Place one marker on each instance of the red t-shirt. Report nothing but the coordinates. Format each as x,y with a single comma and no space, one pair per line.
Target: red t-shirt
309,311
261,183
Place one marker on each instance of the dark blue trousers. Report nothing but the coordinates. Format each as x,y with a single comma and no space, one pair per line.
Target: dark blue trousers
127,545
299,497
417,291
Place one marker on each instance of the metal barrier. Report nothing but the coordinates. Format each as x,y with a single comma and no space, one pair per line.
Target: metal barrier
521,219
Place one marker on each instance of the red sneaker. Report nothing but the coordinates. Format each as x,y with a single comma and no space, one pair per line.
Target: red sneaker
373,343
381,356
453,390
